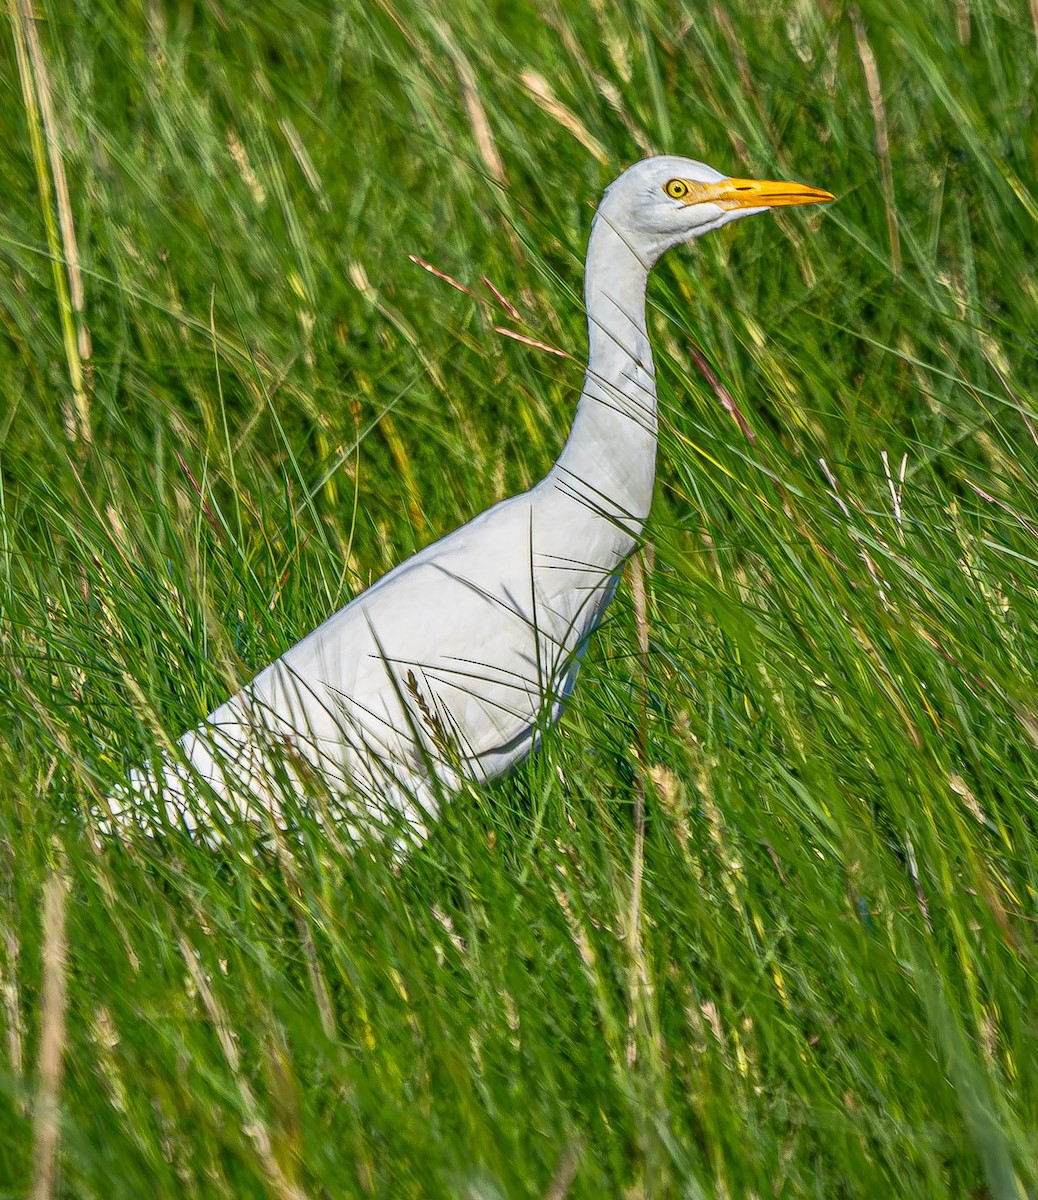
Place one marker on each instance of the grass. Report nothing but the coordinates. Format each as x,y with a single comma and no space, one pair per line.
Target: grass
235,401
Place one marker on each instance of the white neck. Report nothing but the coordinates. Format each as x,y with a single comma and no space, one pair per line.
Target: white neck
609,460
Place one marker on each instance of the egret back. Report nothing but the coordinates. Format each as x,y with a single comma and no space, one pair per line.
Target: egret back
449,667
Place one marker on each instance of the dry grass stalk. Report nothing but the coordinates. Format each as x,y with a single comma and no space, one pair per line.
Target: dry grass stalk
322,996
477,114
565,1173
879,118
46,1123
256,1129
12,1006
61,236
529,341
540,90
723,394
306,163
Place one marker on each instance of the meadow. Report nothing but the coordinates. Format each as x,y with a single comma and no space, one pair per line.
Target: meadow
230,399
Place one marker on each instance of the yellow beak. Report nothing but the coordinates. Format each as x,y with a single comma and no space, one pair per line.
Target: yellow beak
756,193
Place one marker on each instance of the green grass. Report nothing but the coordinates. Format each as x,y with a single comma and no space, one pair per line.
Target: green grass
833,992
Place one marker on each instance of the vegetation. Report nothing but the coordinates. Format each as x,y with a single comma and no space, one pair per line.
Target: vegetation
231,399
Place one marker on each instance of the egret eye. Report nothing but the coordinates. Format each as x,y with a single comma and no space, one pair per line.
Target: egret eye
676,189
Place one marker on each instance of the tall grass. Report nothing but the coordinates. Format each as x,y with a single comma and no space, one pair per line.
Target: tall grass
829,988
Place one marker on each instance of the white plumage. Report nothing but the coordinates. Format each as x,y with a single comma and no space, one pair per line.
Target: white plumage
450,665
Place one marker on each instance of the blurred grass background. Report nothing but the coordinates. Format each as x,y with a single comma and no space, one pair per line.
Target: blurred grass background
229,399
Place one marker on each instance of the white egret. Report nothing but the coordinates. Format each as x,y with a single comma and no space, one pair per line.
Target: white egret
450,666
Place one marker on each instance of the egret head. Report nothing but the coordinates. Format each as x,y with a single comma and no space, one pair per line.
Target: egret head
664,201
